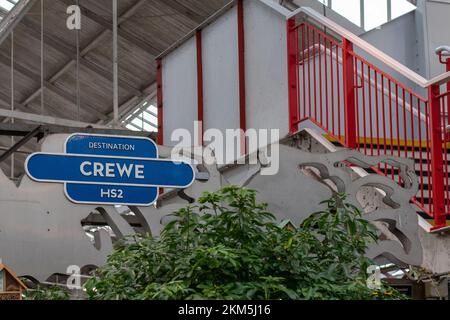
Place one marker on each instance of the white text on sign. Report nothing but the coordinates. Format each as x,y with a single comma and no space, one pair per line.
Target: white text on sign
111,193
112,170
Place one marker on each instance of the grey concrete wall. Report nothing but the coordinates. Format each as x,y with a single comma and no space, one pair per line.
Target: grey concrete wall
436,249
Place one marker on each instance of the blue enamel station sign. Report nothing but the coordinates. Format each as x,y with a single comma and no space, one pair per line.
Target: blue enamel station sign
114,170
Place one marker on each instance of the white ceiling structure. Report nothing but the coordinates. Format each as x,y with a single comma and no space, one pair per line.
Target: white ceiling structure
50,74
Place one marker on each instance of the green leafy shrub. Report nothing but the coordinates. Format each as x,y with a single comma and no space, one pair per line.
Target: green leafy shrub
229,247
47,293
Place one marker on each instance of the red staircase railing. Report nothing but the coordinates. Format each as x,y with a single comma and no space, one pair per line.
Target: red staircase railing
365,108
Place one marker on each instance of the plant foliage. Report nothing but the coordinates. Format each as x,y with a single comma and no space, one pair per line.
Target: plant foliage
230,247
47,293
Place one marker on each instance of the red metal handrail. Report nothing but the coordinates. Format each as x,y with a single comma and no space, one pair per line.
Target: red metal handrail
365,108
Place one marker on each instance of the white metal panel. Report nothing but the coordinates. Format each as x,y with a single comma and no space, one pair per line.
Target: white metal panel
180,91
221,73
266,68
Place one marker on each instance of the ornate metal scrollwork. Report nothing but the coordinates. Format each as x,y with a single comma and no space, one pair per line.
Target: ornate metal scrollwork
41,233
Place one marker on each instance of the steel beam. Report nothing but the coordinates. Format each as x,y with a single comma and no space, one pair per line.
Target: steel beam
115,66
17,151
22,129
51,87
6,103
70,52
131,105
88,64
45,119
33,133
184,10
141,118
14,17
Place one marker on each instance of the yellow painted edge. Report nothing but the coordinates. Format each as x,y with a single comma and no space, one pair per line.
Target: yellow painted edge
431,221
387,142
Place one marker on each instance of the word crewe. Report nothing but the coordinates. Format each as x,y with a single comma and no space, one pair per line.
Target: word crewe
112,170
111,146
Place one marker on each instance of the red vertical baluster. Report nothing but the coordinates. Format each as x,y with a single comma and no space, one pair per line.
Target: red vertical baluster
314,72
397,119
428,164
364,110
299,88
338,94
309,72
303,72
357,105
319,57
405,131
411,103
292,44
413,140
369,87
349,94
333,103
447,110
327,126
160,102
377,116
436,157
444,125
200,101
391,126
419,109
384,121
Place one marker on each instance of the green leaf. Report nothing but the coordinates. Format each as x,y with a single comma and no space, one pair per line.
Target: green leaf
231,247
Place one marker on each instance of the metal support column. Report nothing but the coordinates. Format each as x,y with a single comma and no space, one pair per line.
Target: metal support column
42,58
198,37
242,90
437,161
349,95
77,39
12,174
292,61
160,103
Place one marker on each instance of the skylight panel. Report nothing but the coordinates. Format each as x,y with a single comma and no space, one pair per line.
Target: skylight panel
7,5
